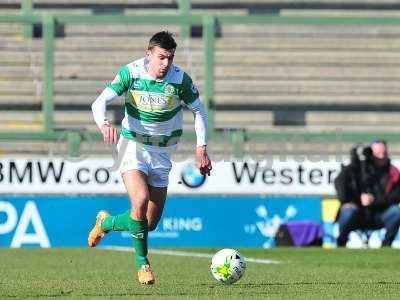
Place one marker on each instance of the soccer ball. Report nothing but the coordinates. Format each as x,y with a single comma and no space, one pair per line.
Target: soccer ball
227,266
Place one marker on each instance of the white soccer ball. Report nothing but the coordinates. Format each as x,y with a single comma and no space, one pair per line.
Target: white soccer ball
227,266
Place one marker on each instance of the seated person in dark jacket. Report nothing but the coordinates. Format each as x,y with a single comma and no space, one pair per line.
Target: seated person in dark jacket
369,191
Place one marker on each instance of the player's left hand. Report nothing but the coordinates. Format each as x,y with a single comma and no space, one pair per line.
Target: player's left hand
203,161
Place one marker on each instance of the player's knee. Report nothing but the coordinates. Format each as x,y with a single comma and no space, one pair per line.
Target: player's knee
140,203
141,198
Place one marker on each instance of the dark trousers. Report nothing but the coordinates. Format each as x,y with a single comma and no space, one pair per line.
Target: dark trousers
351,218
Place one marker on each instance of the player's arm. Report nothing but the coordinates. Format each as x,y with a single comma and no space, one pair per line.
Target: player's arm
200,125
190,96
99,107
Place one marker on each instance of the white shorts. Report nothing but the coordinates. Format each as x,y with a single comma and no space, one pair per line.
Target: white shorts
155,164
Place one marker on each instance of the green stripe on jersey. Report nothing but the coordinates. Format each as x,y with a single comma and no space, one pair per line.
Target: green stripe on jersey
151,117
153,140
122,81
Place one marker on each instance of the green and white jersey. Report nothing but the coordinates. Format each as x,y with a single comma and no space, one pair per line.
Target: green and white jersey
153,107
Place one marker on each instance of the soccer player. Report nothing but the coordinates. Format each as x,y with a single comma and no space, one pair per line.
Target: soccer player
155,90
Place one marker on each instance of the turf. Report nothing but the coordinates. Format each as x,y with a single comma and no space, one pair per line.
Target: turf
311,273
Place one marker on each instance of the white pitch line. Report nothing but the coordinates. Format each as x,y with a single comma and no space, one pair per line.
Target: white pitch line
187,254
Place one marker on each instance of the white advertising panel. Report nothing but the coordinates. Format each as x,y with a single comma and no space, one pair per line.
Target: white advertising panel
31,175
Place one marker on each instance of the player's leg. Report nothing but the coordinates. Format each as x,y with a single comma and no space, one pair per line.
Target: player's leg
156,205
135,221
130,158
136,185
158,186
155,208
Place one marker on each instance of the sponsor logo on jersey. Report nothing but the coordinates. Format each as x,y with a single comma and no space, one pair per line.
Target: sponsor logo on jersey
152,101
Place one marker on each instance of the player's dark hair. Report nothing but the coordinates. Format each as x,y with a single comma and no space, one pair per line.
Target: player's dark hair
162,39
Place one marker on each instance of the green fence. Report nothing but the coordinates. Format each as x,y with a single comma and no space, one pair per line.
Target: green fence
184,9
185,19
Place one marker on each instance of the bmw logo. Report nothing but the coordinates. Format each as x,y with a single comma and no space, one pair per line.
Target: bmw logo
191,176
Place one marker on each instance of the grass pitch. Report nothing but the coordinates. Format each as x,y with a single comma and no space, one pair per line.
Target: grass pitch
311,273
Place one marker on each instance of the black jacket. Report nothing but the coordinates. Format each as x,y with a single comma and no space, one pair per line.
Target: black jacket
365,177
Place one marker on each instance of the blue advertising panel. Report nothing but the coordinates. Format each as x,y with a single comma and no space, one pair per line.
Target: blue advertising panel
188,221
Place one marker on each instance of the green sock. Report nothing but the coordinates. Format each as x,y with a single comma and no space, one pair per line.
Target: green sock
120,222
139,231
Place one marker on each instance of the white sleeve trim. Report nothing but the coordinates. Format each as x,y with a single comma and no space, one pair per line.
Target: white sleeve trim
200,121
100,104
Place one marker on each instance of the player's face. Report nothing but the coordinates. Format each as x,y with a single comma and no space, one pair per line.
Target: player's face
160,61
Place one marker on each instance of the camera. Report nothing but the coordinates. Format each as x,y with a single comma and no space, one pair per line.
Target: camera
360,153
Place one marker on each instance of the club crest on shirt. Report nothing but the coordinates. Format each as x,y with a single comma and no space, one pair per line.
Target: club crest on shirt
169,89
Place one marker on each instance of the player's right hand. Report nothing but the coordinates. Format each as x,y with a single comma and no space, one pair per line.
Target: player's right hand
110,134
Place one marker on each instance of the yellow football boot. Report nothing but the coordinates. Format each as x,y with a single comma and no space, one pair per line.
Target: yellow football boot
146,275
96,234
